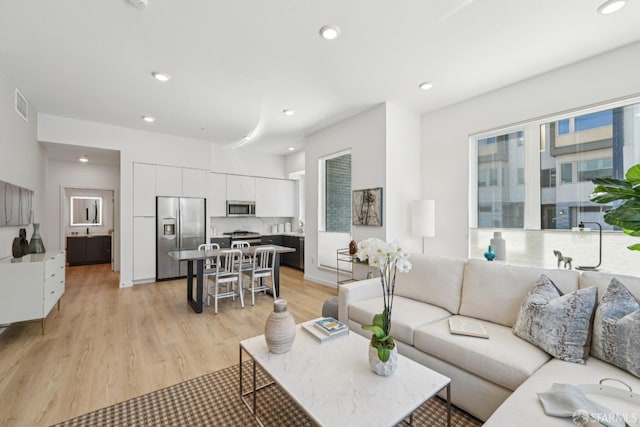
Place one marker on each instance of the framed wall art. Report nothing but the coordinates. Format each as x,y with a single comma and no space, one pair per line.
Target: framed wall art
367,207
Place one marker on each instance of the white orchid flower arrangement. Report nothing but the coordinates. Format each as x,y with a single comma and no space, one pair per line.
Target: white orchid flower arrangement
389,258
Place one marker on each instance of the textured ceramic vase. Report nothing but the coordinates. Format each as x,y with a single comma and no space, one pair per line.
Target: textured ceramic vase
383,368
499,246
280,329
35,245
490,255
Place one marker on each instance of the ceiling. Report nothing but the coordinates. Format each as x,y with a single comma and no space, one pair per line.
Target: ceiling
235,65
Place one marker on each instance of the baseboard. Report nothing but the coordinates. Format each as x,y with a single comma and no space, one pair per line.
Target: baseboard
320,281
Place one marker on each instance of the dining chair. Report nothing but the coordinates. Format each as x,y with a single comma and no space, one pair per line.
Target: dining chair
261,270
227,276
246,259
209,263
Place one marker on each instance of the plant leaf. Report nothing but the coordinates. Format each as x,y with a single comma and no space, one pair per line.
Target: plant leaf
379,320
633,174
377,330
626,215
635,247
384,354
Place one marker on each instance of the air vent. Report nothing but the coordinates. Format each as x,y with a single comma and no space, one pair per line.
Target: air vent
22,106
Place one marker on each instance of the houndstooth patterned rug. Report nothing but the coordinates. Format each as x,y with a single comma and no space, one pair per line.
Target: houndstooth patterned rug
214,400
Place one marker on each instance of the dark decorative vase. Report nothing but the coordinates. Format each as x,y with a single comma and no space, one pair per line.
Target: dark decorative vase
20,244
353,247
35,245
490,255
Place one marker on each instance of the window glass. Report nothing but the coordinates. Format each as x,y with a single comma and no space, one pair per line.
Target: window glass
338,193
596,145
566,173
501,195
548,178
595,120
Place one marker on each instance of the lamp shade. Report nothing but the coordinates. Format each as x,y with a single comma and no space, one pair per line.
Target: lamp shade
423,218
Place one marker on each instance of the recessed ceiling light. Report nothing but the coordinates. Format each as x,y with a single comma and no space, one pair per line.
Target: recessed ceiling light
291,148
148,119
329,32
83,159
288,112
161,76
611,6
425,85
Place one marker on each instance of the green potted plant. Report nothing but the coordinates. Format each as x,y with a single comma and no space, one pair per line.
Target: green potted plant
388,258
626,193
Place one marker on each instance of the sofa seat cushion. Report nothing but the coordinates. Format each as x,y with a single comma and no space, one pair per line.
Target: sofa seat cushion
406,316
503,359
523,407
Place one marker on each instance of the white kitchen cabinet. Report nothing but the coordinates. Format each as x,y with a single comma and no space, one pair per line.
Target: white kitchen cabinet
168,181
276,198
30,286
144,249
216,194
194,182
240,187
144,189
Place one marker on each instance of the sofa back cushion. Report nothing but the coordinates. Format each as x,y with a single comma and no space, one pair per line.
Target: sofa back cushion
494,291
602,280
433,279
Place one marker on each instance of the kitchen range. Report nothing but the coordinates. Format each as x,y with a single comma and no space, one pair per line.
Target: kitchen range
250,237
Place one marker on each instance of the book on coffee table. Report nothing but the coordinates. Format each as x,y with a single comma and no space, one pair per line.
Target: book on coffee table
463,326
321,336
330,326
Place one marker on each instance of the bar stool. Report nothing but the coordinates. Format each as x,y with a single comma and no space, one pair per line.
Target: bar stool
261,270
228,276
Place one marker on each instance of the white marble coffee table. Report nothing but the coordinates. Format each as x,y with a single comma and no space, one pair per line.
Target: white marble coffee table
332,382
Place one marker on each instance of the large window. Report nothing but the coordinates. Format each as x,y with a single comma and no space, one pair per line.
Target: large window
557,172
500,180
336,179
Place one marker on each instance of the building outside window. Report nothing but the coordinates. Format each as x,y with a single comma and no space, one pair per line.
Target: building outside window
500,201
566,173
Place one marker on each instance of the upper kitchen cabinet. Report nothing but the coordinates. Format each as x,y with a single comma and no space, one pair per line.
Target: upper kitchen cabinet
276,198
216,194
241,188
144,189
168,181
194,183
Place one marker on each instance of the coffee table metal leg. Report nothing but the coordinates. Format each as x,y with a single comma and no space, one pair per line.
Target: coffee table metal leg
449,405
253,406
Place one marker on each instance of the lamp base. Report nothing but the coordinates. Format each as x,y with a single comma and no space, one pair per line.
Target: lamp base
586,268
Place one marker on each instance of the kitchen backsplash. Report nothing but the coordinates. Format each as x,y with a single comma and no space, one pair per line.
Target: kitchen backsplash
258,224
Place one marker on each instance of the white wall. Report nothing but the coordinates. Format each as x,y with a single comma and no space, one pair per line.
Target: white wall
295,162
22,160
244,161
445,132
403,172
385,152
75,175
149,147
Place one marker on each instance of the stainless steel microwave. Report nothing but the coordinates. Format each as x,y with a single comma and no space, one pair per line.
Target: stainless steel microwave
241,208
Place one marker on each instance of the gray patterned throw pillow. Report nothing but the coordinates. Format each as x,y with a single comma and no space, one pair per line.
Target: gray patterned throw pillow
558,324
616,328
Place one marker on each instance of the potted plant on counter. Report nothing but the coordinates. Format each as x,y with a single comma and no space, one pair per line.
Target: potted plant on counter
388,258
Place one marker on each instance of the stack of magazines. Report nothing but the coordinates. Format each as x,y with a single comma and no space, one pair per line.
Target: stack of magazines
325,327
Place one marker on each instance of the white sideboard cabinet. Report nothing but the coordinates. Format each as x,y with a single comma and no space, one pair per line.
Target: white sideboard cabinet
30,286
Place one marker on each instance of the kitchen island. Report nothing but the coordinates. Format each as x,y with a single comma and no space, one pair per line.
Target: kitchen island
199,256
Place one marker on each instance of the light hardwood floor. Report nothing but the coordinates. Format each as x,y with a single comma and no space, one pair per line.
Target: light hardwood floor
108,344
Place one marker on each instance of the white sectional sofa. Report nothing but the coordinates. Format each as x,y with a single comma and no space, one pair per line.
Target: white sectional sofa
494,379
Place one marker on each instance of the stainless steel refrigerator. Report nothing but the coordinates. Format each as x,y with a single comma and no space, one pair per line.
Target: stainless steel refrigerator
181,224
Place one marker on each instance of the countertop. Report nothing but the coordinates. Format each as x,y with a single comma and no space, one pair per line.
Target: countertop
89,235
221,236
